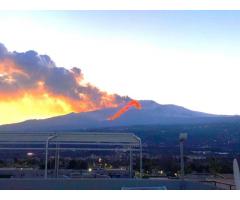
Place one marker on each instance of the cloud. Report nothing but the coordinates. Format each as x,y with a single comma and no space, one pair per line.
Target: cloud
31,73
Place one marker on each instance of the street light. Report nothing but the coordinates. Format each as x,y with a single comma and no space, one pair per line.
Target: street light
89,169
182,139
30,154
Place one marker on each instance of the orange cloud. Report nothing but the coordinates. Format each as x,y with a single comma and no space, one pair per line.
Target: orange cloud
33,87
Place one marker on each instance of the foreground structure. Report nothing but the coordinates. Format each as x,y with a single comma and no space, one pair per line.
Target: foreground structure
102,184
81,141
56,142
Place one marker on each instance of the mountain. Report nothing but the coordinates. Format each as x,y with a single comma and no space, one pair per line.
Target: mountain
151,113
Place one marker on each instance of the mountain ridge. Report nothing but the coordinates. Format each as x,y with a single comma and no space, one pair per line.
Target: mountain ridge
151,113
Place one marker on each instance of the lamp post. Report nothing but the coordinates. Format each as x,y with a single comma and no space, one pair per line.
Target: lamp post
130,164
182,139
46,155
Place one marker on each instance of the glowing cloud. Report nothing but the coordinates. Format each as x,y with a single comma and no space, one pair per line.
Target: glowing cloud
32,86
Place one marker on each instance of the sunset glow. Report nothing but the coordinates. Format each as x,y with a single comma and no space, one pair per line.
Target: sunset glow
30,90
165,56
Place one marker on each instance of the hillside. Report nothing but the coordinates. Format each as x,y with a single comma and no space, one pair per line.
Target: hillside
151,113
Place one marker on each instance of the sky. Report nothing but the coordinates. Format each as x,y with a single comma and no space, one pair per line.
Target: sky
187,58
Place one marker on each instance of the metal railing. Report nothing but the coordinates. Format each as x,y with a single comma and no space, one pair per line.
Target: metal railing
216,183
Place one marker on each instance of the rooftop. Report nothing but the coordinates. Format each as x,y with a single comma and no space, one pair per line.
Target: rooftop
74,138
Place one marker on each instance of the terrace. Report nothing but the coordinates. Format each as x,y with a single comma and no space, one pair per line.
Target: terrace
82,141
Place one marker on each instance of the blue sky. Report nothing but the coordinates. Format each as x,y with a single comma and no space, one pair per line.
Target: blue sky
188,58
